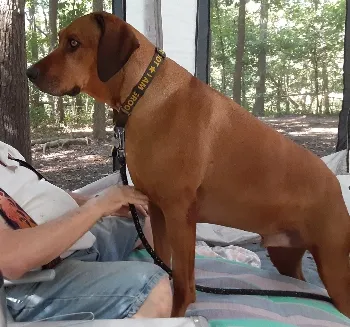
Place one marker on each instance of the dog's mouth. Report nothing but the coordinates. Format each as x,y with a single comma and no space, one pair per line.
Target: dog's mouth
73,92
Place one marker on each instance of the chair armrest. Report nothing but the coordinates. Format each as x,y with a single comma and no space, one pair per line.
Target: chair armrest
150,322
100,185
33,277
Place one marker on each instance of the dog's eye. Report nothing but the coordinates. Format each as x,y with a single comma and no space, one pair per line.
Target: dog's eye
73,43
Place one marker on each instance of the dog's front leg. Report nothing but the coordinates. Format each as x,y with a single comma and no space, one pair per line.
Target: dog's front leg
160,237
181,229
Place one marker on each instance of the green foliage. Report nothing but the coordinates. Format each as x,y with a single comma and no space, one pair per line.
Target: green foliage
304,48
69,10
44,109
304,54
38,117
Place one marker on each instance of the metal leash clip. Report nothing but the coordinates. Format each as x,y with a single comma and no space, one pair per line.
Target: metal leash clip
119,135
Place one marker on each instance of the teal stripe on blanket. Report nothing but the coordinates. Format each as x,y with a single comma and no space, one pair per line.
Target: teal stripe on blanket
247,323
255,311
324,306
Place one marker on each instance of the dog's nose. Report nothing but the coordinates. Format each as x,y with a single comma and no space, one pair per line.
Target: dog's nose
32,73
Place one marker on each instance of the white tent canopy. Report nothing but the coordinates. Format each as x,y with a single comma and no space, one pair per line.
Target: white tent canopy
180,27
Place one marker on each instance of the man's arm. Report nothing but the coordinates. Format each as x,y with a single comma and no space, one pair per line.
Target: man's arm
26,249
79,198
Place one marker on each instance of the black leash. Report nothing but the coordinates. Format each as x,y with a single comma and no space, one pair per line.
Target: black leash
120,154
135,216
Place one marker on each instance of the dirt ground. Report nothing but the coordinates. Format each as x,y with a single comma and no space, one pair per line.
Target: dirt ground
78,165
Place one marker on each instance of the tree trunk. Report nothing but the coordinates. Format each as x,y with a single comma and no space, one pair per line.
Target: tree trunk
99,118
79,105
53,7
316,83
14,113
244,92
60,110
259,105
325,88
279,97
315,63
34,49
237,77
309,110
286,100
99,114
305,81
222,50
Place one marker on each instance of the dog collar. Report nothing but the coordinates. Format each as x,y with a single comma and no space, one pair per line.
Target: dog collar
125,110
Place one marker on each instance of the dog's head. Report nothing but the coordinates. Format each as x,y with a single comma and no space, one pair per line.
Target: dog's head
95,46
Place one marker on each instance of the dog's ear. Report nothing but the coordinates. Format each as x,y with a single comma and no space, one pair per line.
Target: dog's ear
116,45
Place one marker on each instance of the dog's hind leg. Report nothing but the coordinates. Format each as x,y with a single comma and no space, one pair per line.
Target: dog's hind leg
288,261
330,247
332,259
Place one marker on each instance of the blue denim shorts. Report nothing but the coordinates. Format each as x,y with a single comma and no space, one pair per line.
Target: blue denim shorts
99,280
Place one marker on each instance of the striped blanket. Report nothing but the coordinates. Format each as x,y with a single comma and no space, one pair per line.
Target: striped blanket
255,311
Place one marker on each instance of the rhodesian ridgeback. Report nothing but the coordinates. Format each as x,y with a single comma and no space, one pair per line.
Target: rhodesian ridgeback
200,157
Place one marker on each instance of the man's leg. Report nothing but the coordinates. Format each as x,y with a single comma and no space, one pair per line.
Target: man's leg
115,241
116,237
159,302
110,290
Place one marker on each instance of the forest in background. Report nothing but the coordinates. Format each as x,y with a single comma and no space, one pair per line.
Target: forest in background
44,18
279,57
274,57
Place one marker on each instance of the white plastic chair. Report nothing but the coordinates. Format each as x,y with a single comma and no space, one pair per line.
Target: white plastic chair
30,277
48,275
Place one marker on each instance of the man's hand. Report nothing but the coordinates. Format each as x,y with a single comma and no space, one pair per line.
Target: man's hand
125,211
115,201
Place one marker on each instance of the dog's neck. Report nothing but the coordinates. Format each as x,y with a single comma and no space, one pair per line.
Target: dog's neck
135,68
117,89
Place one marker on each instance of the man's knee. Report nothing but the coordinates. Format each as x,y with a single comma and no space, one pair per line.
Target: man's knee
158,303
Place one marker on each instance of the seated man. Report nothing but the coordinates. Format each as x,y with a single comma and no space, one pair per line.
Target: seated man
91,275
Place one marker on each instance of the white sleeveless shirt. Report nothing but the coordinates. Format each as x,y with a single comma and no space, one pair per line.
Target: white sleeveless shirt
41,200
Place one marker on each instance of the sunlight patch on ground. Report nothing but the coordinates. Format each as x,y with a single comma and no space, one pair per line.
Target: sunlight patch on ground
90,157
77,165
315,130
285,120
56,155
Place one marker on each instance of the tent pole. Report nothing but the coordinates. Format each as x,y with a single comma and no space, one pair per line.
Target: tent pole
343,125
203,41
119,8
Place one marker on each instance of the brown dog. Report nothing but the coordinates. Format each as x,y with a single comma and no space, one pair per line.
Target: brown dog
200,157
